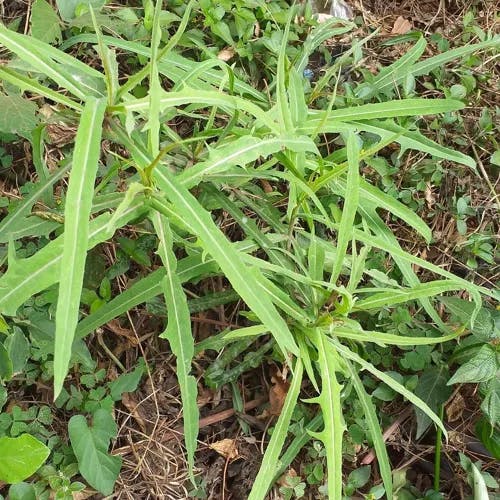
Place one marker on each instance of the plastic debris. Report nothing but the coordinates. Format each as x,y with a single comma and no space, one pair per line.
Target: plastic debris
340,9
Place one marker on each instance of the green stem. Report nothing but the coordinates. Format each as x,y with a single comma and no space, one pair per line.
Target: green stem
437,454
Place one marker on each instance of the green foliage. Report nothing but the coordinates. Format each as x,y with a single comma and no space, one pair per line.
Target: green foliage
20,457
317,266
45,22
18,116
90,444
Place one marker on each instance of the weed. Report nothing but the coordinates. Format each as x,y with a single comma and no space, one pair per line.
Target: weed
301,259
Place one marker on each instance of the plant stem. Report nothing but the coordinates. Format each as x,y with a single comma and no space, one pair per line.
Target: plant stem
437,455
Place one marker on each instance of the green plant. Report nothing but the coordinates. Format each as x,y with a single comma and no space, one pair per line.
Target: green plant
308,294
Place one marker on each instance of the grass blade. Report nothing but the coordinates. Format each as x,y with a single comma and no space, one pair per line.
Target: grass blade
76,231
380,110
10,222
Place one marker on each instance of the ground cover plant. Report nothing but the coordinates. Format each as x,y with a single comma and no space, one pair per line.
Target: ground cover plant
228,143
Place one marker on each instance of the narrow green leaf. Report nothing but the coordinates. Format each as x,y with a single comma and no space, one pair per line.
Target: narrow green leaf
270,463
76,231
331,406
31,51
27,277
401,389
242,151
344,233
24,83
388,338
179,335
202,97
244,279
426,66
398,296
390,109
375,430
10,222
372,194
173,66
391,75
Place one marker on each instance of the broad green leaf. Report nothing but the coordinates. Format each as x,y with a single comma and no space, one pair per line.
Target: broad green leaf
18,347
491,401
18,115
489,434
22,491
179,335
244,279
347,353
375,429
76,233
481,368
44,22
463,309
344,233
270,463
6,369
90,445
432,389
67,8
331,406
20,457
127,382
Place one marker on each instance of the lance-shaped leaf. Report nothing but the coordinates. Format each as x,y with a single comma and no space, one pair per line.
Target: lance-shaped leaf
76,231
179,335
245,279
